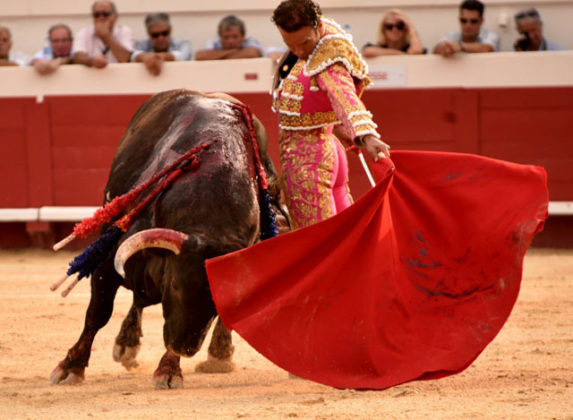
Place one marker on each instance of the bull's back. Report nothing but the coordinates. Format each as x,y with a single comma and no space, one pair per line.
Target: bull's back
166,126
221,189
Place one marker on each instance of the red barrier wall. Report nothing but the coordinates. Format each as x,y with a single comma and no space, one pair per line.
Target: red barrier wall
58,152
525,125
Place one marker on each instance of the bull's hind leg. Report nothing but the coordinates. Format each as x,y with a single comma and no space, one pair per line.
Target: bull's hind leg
220,352
104,284
127,342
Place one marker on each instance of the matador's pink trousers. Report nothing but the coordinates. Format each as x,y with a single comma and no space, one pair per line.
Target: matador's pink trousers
315,168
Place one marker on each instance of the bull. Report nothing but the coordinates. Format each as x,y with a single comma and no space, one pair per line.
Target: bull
207,212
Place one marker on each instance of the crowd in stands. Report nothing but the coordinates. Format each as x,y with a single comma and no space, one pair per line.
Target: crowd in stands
397,34
106,41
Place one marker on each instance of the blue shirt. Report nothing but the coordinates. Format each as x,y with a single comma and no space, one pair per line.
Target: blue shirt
45,54
550,46
181,49
523,44
248,42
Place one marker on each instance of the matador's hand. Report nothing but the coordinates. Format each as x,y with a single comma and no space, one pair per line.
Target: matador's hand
376,147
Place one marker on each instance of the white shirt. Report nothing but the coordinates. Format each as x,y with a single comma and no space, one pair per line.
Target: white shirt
19,58
485,37
86,41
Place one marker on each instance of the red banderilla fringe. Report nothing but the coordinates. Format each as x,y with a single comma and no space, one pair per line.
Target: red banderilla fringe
118,204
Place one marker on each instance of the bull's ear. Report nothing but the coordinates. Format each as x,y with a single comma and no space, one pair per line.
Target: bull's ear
169,239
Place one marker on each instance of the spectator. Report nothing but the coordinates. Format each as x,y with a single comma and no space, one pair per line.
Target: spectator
472,38
59,52
8,58
104,42
530,27
396,35
160,46
232,42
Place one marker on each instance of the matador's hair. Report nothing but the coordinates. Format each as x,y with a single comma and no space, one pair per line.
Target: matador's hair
291,15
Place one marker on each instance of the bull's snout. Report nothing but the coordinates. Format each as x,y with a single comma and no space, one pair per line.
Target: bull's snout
185,339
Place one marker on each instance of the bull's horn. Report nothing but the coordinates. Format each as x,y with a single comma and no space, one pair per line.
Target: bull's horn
151,238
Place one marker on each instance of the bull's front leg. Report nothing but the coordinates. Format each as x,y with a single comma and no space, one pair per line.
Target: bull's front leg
127,342
221,351
168,374
104,285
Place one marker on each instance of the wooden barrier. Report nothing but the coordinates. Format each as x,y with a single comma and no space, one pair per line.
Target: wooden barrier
59,133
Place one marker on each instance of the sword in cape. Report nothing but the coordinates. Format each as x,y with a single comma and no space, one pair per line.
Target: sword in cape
366,168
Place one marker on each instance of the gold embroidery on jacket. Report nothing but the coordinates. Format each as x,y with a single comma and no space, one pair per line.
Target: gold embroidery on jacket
350,110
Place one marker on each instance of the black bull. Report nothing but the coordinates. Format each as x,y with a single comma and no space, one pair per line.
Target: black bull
215,204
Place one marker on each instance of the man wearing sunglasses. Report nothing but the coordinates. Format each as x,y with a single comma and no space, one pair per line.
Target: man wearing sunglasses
160,46
528,24
104,42
472,38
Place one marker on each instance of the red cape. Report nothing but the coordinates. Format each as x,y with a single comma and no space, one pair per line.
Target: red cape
410,282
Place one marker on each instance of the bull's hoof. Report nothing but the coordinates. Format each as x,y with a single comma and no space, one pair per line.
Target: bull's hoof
126,355
163,380
213,365
63,376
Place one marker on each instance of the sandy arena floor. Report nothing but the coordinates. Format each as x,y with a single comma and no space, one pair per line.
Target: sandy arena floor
526,373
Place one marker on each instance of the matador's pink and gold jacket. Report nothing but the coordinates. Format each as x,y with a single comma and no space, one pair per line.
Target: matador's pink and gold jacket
325,89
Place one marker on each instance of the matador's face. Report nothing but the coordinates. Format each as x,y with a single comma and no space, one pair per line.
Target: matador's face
303,41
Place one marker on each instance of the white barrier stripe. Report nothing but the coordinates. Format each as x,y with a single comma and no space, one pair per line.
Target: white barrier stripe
75,214
19,215
65,214
47,214
560,208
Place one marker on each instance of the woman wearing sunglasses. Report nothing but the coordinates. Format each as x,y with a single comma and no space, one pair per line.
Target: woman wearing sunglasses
397,35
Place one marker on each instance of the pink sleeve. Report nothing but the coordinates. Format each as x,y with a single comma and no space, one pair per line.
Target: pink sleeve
348,107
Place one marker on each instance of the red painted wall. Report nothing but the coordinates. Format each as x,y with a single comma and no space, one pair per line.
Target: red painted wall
58,152
14,181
